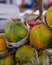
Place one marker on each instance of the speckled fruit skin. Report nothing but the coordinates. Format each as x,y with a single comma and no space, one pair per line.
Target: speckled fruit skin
15,31
40,36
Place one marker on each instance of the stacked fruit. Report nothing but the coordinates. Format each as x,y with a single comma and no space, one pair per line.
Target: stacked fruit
49,16
40,38
9,58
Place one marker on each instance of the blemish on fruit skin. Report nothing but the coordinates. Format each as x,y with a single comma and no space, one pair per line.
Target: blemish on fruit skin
39,26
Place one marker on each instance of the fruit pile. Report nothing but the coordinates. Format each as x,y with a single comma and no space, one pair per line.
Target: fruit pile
28,53
49,16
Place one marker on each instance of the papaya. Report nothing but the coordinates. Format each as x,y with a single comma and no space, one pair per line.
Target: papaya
25,55
8,60
45,57
40,36
3,45
49,16
15,31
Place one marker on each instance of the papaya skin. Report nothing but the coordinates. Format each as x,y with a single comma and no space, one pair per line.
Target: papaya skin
15,31
3,45
24,54
40,36
8,60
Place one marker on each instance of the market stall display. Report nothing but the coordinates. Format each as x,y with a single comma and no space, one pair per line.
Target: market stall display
26,45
